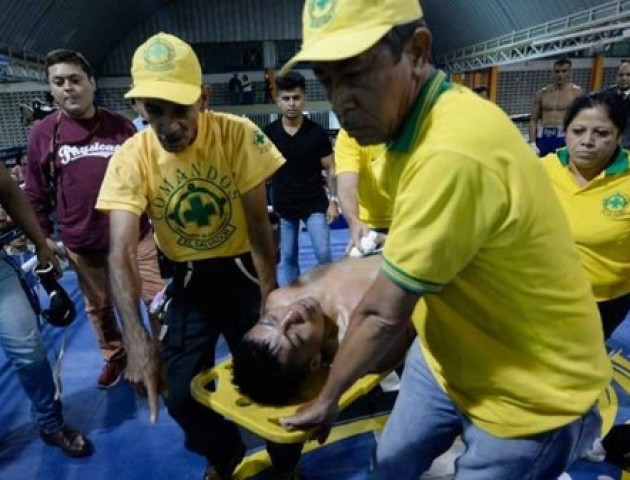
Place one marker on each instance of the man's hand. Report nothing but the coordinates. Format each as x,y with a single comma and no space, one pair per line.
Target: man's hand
357,231
46,254
57,249
319,414
332,212
143,367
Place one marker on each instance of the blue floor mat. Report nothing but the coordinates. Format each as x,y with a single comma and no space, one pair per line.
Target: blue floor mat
127,446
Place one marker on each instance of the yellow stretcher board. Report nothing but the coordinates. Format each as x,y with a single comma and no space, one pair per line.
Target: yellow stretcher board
263,420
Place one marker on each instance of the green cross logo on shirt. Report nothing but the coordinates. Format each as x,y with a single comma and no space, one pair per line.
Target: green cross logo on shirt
199,212
259,139
615,204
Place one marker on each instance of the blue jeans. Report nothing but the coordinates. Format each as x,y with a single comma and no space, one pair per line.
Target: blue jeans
22,342
319,233
425,422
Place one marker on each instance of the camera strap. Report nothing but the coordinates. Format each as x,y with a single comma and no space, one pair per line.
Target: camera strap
50,169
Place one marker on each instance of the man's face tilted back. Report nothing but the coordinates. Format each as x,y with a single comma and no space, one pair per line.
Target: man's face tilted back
295,332
72,89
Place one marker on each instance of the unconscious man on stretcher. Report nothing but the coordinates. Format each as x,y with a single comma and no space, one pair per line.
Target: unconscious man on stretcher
301,330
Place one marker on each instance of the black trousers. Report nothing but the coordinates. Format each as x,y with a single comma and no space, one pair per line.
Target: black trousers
210,298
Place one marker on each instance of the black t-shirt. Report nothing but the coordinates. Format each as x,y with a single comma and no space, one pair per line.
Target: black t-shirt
623,96
297,188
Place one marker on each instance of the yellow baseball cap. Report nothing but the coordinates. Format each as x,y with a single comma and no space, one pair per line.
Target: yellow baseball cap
165,67
338,29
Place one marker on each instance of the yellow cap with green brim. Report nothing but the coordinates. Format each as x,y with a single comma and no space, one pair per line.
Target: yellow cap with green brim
339,29
165,67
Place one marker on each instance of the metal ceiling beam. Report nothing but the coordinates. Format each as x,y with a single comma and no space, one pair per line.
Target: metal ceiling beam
594,28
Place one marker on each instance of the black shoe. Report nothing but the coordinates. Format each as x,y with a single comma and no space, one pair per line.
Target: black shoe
71,442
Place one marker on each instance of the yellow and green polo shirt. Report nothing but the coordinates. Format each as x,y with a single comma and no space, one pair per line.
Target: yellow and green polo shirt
511,329
599,216
374,206
193,197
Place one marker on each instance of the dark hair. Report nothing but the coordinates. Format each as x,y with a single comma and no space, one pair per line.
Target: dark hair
399,35
562,61
480,89
259,375
616,109
68,56
291,80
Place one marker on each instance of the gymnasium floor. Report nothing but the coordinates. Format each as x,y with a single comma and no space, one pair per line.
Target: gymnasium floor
128,447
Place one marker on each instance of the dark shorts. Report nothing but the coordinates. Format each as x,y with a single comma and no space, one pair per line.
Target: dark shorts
549,140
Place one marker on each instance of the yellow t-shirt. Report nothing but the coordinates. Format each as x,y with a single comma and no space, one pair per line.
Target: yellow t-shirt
374,205
511,329
193,197
599,216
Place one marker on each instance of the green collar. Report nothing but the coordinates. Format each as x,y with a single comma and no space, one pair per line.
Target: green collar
430,91
618,165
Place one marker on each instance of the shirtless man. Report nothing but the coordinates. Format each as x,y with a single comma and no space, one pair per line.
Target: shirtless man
551,102
301,330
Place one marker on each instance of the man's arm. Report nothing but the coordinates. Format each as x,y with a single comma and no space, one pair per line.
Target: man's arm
536,113
19,209
142,354
347,185
36,187
328,163
380,320
260,239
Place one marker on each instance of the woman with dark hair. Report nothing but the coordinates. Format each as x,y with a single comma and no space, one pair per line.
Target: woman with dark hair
592,179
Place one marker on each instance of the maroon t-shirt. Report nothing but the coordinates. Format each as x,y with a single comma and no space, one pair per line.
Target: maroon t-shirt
83,148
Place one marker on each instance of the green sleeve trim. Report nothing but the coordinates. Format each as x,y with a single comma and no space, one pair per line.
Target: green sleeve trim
412,284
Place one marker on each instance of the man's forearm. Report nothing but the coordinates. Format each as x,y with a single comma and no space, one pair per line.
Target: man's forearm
260,239
396,350
23,215
379,322
347,192
264,258
364,349
125,284
533,126
19,209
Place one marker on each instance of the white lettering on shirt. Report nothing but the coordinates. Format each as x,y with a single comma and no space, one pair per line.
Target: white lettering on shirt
71,153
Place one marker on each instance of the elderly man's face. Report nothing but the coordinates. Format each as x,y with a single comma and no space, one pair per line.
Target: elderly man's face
174,124
370,92
294,332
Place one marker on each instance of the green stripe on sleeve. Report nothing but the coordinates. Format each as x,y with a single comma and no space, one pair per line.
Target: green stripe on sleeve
402,279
